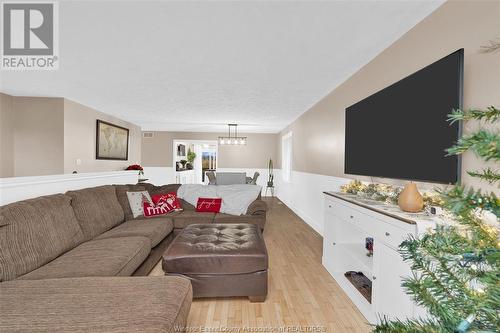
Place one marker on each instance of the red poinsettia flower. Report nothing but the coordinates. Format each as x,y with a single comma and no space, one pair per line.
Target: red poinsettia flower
134,167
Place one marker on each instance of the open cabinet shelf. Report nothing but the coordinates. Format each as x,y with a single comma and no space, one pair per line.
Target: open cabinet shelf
347,226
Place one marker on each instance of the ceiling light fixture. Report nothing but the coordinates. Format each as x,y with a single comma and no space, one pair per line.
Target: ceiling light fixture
232,139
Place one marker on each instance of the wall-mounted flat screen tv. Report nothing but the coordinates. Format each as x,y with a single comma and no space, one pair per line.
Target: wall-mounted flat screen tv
402,131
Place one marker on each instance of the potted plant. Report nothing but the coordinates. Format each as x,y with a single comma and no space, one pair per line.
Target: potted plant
191,155
270,180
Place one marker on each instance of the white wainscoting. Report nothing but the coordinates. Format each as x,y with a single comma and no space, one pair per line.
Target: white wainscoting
304,195
159,175
262,180
21,188
166,175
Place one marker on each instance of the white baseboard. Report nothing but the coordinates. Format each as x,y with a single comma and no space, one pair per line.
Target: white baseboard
21,188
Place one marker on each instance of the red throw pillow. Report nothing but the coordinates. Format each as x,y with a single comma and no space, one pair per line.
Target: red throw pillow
208,205
169,199
154,210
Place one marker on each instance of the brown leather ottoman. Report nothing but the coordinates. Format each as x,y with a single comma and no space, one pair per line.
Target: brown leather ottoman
221,260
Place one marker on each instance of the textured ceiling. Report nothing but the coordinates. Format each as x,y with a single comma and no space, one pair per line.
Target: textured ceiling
196,66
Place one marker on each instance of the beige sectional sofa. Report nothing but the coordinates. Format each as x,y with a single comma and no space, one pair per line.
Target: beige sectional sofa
65,261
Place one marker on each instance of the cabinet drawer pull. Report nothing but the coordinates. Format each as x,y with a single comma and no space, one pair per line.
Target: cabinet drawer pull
374,277
351,217
329,206
334,243
387,234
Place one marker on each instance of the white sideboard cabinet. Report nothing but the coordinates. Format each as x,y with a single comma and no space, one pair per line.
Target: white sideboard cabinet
348,222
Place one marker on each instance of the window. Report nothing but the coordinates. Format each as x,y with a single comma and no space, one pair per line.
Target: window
286,157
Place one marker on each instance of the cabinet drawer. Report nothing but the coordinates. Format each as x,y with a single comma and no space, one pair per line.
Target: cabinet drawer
332,207
350,215
340,210
383,231
390,235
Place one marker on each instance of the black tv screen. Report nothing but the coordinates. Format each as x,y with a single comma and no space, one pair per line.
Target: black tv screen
402,131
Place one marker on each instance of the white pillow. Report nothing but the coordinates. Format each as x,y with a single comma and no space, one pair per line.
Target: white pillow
135,200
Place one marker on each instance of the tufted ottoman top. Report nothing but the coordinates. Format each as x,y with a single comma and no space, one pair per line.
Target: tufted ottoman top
216,249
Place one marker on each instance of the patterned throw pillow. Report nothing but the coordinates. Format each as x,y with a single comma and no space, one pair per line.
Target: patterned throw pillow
169,199
151,210
135,199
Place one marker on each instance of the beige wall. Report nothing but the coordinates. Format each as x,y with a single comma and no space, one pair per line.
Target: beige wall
6,136
158,151
318,135
80,140
45,136
38,136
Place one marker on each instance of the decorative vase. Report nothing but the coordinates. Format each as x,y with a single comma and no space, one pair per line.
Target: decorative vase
410,200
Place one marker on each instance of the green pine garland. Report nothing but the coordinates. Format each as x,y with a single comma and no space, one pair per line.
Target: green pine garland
456,268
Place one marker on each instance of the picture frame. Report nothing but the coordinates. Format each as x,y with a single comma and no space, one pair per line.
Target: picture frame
181,150
111,141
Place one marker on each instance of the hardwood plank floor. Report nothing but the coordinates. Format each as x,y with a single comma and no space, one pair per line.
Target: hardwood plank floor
301,292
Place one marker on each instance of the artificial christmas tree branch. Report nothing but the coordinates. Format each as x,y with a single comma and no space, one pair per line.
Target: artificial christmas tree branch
487,175
456,267
491,114
413,326
461,200
484,143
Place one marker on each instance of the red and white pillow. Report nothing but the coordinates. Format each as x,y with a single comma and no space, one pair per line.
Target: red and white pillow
162,204
169,199
211,205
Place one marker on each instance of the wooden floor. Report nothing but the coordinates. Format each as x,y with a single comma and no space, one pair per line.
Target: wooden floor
301,292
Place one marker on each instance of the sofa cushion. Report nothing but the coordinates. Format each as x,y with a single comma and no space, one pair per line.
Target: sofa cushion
104,257
164,189
155,229
121,195
34,232
258,220
187,206
148,186
187,217
257,207
96,304
97,209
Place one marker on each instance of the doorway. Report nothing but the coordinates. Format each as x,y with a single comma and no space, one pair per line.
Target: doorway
193,159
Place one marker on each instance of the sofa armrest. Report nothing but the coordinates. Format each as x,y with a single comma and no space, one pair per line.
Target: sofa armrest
258,207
